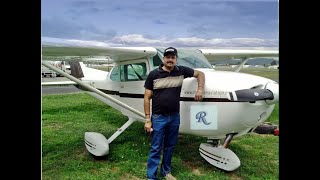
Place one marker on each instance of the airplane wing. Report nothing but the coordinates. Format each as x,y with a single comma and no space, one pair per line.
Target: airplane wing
91,54
56,83
224,54
131,53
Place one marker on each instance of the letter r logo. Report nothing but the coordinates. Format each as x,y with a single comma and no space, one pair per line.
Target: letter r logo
201,117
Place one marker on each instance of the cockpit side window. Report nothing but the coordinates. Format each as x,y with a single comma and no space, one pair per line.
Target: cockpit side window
114,73
156,61
134,72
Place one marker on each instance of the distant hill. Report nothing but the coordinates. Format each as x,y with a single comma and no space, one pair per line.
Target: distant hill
255,61
262,61
225,62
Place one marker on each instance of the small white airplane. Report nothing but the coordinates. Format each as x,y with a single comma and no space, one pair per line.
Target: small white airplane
233,104
63,65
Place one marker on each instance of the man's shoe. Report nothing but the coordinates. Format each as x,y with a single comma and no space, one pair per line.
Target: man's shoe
170,177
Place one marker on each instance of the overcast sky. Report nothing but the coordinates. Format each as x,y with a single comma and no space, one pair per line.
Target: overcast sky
180,23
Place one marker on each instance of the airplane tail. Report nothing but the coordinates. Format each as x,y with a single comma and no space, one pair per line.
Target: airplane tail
79,70
76,69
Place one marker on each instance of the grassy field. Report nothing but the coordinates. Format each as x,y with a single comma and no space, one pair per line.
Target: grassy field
264,72
65,119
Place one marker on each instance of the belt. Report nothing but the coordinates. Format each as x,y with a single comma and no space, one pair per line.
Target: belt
169,114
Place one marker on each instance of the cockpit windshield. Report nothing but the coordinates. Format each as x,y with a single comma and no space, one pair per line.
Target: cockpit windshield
192,58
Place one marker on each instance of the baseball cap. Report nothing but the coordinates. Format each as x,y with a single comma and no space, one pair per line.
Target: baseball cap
171,50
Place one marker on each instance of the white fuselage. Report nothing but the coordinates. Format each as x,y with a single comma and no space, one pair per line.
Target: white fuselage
214,117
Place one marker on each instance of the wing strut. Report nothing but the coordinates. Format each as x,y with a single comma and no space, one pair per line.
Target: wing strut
98,145
90,88
136,72
240,66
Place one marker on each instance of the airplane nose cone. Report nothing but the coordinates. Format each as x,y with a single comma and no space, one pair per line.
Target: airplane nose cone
270,94
274,88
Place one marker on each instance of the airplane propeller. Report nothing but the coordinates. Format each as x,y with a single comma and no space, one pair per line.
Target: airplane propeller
250,95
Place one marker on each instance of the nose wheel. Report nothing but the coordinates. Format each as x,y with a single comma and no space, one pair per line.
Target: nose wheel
219,155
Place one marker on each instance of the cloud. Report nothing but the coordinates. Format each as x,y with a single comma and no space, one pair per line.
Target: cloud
75,42
218,42
158,21
82,4
134,40
155,23
100,20
62,28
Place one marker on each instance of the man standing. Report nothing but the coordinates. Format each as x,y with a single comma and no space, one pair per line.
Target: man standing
164,84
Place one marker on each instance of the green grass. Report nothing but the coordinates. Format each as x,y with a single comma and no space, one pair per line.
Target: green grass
264,72
65,119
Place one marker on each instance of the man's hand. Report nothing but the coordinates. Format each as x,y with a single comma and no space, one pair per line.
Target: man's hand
148,126
198,96
200,77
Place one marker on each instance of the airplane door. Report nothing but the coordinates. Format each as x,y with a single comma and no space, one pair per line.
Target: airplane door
110,86
132,78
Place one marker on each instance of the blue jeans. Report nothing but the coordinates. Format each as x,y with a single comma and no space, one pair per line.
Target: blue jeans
165,131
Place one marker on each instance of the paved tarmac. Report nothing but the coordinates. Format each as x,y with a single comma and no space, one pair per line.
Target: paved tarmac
58,89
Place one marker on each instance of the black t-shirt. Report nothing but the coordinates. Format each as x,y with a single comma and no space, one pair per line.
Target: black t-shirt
166,88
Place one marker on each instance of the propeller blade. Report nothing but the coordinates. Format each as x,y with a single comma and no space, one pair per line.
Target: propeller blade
250,95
